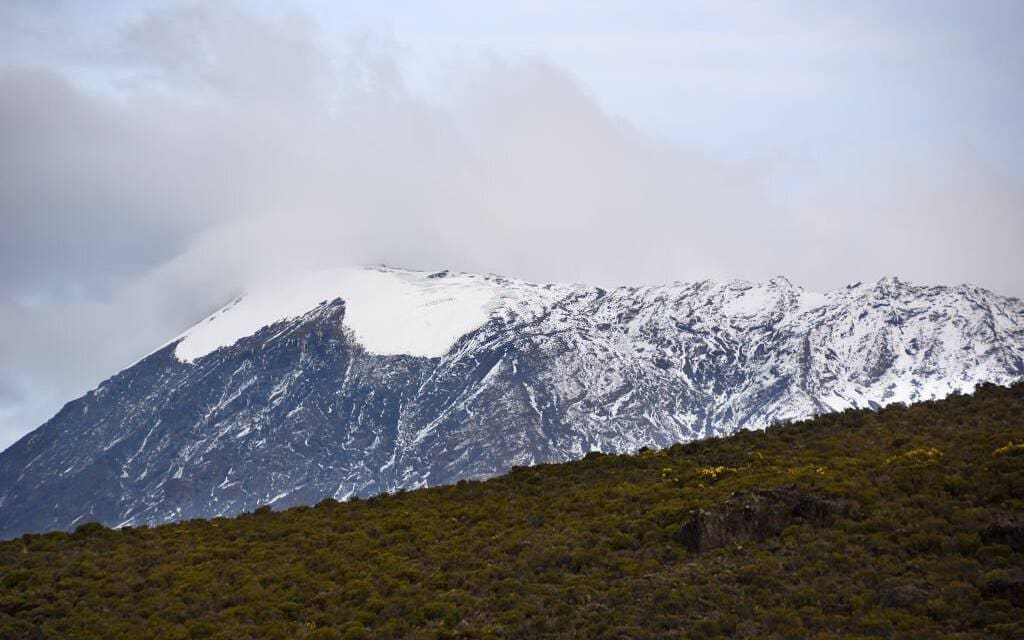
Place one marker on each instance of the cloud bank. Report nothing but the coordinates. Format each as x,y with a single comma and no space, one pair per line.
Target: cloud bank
227,146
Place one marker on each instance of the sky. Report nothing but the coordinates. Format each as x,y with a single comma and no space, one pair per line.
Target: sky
158,157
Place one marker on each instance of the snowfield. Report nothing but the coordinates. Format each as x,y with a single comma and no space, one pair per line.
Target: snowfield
389,311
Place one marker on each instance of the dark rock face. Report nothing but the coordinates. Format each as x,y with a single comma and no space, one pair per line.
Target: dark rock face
758,515
1006,584
1008,531
301,410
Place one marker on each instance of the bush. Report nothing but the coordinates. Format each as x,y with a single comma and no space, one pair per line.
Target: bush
887,539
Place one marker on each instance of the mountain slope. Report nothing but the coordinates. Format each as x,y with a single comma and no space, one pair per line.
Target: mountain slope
362,381
902,523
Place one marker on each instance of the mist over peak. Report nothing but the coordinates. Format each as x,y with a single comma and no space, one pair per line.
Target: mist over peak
157,160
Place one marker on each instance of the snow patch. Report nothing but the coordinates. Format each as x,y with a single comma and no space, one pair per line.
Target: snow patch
390,311
754,300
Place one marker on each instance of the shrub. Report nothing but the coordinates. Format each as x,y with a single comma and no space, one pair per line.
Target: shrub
906,529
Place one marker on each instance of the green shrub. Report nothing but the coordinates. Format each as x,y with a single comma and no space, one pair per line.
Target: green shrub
911,543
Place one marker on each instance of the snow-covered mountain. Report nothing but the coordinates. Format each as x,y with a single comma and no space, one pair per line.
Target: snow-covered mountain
359,381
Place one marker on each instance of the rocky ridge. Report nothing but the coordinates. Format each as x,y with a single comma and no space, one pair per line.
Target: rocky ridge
380,380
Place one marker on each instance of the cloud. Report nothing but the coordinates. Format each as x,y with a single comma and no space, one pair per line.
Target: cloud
229,146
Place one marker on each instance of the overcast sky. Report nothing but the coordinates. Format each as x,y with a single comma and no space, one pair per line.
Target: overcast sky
157,156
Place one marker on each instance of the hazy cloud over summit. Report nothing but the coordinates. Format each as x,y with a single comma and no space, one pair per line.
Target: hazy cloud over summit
153,160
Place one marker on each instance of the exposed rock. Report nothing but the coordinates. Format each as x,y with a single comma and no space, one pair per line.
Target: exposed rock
757,515
1007,584
1008,530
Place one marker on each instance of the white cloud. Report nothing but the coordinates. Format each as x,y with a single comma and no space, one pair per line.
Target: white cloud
227,145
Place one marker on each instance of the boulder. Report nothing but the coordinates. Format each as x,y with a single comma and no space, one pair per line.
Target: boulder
757,515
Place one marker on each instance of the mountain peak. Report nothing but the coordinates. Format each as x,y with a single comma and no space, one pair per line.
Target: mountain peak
408,378
782,281
891,282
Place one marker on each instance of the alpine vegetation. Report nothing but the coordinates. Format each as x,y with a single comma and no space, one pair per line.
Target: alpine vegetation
903,523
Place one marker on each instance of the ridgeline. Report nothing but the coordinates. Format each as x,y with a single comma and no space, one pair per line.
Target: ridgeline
902,523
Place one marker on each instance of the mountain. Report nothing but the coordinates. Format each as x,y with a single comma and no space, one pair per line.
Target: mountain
360,381
903,523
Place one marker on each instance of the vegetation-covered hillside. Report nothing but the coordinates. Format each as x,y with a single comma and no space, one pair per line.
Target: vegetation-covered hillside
904,523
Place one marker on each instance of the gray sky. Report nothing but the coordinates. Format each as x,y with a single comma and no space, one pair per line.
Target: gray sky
156,156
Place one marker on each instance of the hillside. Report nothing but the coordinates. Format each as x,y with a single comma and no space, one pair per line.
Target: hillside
906,523
362,381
